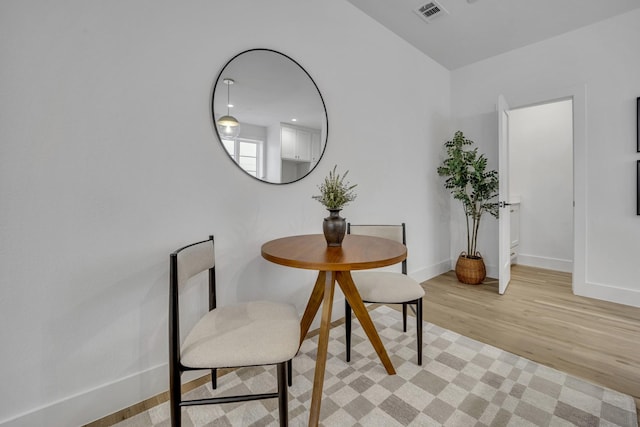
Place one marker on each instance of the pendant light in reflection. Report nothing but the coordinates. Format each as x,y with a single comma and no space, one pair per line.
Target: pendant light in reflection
228,126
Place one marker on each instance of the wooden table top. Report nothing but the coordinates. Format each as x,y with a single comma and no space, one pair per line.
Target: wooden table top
311,252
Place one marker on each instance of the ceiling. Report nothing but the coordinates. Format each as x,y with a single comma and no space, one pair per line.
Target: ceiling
474,30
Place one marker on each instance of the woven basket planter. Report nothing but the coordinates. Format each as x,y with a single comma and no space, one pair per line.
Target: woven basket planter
470,269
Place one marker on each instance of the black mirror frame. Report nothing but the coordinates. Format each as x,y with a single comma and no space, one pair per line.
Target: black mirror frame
326,116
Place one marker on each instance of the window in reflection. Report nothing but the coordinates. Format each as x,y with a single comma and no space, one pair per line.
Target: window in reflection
247,154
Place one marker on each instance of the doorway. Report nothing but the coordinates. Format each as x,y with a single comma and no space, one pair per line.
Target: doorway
541,183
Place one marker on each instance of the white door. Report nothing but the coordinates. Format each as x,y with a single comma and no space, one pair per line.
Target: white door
504,220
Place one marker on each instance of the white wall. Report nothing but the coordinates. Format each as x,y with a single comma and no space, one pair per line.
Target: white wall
598,66
541,176
273,162
109,161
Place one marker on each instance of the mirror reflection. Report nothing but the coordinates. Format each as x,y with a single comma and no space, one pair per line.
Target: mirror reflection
269,116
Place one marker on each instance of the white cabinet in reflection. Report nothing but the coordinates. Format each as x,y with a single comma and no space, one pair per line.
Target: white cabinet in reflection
300,150
295,144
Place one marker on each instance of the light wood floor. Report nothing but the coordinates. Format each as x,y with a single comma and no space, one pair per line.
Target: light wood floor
540,319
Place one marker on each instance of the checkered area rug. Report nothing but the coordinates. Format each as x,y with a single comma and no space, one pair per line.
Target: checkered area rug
462,383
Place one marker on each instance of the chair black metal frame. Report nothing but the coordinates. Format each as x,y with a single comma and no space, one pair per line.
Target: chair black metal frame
415,305
176,368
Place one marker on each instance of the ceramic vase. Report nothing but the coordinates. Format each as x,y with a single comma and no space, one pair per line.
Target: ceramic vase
334,228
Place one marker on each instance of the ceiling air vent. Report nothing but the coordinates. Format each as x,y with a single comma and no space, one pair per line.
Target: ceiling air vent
430,11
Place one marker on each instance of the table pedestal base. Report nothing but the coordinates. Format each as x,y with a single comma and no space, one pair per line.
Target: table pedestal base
323,294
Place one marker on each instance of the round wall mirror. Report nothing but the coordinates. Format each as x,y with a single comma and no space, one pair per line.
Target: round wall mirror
269,116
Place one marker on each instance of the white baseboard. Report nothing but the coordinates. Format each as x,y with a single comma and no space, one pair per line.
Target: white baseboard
431,271
608,293
82,408
556,264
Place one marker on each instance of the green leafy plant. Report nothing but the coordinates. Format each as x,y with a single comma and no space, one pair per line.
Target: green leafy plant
470,182
335,192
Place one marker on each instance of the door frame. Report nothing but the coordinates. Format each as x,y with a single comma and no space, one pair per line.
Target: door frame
504,199
578,94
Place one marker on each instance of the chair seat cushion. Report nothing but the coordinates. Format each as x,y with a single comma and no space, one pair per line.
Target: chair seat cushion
254,333
386,286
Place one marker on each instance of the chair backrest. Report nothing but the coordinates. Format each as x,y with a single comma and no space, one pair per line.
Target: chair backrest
194,259
185,263
396,232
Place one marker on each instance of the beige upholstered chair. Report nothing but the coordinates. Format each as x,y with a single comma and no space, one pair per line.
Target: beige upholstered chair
249,334
387,287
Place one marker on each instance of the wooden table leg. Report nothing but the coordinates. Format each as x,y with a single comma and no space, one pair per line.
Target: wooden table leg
323,343
355,301
313,305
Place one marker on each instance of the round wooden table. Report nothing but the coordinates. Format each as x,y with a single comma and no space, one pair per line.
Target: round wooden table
334,264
